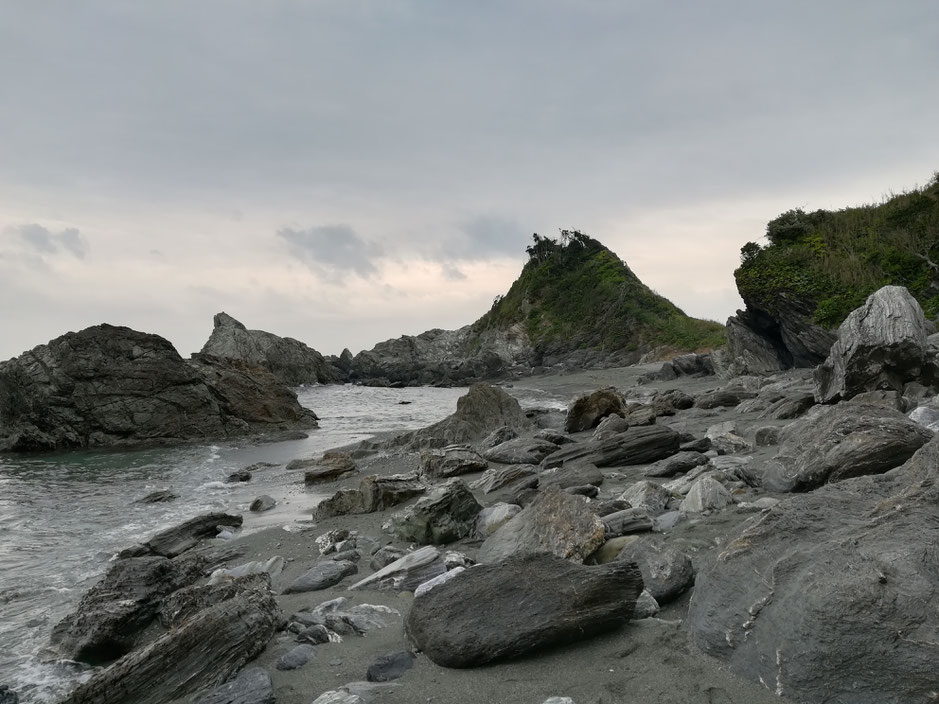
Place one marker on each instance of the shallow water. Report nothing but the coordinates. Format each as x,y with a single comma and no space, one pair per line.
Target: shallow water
64,516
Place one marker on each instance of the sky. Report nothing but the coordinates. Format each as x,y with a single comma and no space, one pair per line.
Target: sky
343,172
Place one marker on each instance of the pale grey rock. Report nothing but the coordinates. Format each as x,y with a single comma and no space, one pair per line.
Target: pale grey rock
649,496
706,494
646,606
322,576
612,425
496,478
451,461
251,686
491,518
262,503
406,573
520,451
445,514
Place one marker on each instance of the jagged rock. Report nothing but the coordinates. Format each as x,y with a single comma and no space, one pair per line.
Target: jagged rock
342,503
823,595
262,503
335,540
881,345
451,461
332,465
184,603
666,572
676,464
111,614
724,438
202,653
555,522
291,361
390,667
492,518
497,437
498,477
375,493
238,476
588,410
504,610
7,695
646,495
638,445
251,686
881,397
627,521
185,536
317,634
577,473
158,497
613,424
640,414
706,494
520,451
926,416
384,556
767,435
108,385
406,573
723,398
674,399
789,407
444,515
296,657
839,442
555,436
697,445
646,606
322,576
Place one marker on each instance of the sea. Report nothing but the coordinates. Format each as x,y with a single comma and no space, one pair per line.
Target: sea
63,517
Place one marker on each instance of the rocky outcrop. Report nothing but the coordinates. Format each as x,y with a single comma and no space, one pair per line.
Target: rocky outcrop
289,360
881,345
511,608
106,386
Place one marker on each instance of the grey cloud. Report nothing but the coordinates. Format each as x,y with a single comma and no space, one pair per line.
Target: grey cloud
45,241
485,236
332,250
453,273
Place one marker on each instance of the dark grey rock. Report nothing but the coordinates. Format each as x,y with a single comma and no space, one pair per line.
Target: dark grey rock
638,445
677,464
262,503
332,465
698,445
185,536
251,686
588,490
588,410
520,451
7,695
627,521
296,657
789,407
555,436
384,556
390,667
723,398
451,461
158,497
375,493
504,610
184,603
576,473
612,425
241,475
322,576
444,515
666,572
496,478
317,634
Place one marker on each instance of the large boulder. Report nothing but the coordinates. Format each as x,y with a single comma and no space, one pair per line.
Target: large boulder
375,493
511,608
588,410
881,345
451,461
826,596
638,445
200,654
842,441
444,515
556,522
108,385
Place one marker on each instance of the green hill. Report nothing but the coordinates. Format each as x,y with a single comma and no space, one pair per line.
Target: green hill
830,261
574,293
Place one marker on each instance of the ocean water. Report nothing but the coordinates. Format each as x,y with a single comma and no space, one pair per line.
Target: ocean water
64,516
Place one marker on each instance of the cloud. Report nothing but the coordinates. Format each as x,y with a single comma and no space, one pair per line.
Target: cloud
333,250
486,236
44,241
452,273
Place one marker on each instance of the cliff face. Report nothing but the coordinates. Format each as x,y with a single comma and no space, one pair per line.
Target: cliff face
817,267
108,385
291,361
575,304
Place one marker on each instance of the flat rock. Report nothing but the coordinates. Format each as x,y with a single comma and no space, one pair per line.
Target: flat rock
451,461
576,473
186,535
520,451
496,478
322,576
406,573
676,464
639,445
296,657
626,521
331,466
556,523
504,610
251,686
444,515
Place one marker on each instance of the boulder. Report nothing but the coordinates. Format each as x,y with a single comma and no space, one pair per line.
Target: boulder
498,477
390,667
375,493
296,657
706,494
331,466
677,464
722,398
184,603
825,594
262,503
238,476
497,437
202,653
520,451
667,402
444,515
577,473
881,345
492,518
322,575
839,442
666,572
555,522
406,573
451,461
613,424
638,445
725,440
251,686
588,410
511,608
767,435
626,521
185,536
789,407
648,496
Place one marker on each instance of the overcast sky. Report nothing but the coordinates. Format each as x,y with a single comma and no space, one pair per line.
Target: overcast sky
343,172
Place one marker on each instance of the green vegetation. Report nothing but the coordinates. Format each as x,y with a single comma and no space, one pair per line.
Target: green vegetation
831,261
576,291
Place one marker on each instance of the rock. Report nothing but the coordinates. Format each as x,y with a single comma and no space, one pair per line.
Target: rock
296,657
612,425
158,497
789,407
555,436
638,445
384,556
520,451
646,606
7,695
630,520
666,572
588,490
881,345
451,461
556,523
577,473
667,521
497,437
251,686
406,573
492,518
184,603
723,398
335,696
675,399
498,477
839,442
767,435
289,360
724,438
375,493
322,576
341,618
676,464
335,540
113,386
926,416
761,504
588,410
438,580
444,515
649,496
706,494
317,634
481,617
390,667
823,595
610,549
699,445
241,475
331,466
185,536
639,414
202,653
262,503
558,700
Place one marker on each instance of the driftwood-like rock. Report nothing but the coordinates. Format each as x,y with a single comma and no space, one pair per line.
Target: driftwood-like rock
511,608
498,477
406,573
185,536
636,446
252,686
520,451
